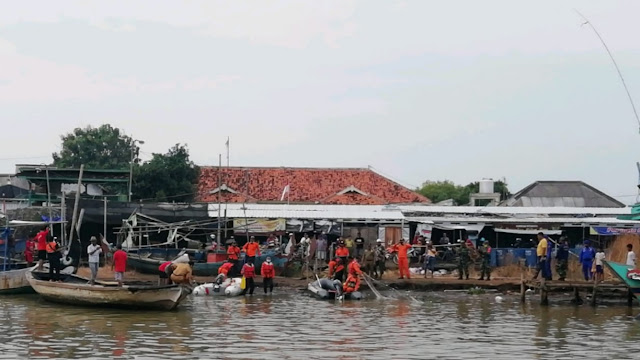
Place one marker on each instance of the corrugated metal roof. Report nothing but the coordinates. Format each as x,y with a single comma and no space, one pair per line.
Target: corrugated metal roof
310,214
565,221
562,193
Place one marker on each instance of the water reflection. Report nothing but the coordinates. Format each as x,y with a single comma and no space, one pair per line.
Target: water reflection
293,325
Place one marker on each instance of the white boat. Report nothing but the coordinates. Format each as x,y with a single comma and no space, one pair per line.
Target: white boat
75,290
14,281
229,287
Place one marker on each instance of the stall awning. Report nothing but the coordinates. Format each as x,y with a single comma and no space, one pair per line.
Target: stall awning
528,231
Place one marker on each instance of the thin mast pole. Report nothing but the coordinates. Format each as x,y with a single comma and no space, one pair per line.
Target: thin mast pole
219,196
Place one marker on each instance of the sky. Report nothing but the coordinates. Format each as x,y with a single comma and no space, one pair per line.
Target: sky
418,90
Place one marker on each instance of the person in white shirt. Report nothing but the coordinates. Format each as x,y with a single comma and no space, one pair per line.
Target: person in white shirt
94,250
600,256
631,256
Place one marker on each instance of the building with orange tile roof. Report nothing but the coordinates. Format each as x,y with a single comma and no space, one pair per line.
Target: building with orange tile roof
344,186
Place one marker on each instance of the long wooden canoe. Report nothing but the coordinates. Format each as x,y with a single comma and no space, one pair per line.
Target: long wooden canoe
75,290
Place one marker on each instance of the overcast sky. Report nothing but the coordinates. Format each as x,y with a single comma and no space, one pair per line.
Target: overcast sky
420,90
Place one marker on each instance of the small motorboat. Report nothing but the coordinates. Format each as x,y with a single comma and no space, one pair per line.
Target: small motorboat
331,289
229,287
76,290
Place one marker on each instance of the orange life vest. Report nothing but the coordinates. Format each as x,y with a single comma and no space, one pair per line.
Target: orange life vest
51,247
342,251
233,252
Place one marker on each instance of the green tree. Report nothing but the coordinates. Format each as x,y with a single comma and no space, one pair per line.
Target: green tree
438,191
167,177
104,147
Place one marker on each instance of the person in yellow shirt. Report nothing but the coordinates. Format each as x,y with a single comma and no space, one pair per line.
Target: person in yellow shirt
541,253
182,273
348,243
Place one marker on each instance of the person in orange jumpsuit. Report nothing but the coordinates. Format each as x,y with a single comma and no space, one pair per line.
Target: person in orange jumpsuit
233,256
352,284
403,260
342,252
251,249
223,272
336,269
354,267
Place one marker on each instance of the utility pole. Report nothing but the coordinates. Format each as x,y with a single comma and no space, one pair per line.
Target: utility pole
74,218
105,217
219,196
46,170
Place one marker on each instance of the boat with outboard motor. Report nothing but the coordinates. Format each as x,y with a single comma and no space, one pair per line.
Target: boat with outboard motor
325,289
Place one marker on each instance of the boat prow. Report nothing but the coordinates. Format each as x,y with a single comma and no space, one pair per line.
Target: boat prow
622,272
75,290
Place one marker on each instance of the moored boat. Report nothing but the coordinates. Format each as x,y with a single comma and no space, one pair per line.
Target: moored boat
14,281
75,290
630,277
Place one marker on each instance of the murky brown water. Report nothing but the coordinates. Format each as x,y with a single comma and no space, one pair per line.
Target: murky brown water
292,325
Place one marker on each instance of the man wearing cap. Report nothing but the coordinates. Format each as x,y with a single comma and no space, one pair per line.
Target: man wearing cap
93,251
586,259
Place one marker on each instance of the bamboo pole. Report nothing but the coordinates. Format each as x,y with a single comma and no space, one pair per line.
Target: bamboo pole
75,205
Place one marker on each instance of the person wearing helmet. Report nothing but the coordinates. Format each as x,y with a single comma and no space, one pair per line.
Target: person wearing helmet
380,259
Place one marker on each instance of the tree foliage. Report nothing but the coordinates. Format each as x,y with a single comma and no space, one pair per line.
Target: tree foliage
167,177
438,191
104,147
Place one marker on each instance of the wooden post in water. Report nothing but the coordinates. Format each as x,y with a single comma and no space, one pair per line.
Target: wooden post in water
522,287
544,296
630,298
593,295
576,296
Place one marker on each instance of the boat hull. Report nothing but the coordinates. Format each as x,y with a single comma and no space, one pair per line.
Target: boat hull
15,282
107,294
620,270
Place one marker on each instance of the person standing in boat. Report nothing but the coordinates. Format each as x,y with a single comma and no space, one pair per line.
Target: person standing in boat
268,272
41,240
233,256
119,265
251,249
54,256
249,273
93,251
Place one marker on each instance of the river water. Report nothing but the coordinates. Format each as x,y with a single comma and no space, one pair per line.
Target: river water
291,325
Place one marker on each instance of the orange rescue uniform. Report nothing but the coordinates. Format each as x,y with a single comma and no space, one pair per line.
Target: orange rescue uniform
251,248
224,269
342,251
352,284
354,268
233,252
403,261
334,267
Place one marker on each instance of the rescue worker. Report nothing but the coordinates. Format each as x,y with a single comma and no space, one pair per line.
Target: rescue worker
41,245
336,269
464,258
249,273
54,256
182,273
352,284
485,268
268,272
403,260
354,267
251,249
223,272
233,256
562,259
586,259
342,252
381,259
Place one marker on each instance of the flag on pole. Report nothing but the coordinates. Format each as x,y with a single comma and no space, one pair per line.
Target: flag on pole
285,192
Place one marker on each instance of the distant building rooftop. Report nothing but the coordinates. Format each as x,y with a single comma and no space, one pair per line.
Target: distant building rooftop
561,194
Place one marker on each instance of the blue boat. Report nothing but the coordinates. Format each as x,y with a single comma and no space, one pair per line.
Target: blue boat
147,261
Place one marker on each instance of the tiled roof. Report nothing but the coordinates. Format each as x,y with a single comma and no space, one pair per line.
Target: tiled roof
308,185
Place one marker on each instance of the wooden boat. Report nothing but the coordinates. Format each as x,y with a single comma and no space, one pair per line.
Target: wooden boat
622,271
14,281
75,290
148,261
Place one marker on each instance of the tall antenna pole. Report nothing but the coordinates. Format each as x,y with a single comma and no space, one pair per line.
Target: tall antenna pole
624,84
219,199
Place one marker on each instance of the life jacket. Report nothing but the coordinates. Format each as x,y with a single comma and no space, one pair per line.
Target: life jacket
224,269
342,251
332,267
51,247
248,271
267,270
354,268
233,252
251,249
352,284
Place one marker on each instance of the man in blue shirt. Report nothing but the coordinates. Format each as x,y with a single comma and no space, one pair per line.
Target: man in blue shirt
586,259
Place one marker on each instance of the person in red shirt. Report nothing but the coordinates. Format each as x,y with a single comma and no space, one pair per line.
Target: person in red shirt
336,269
403,261
164,272
233,255
41,240
251,249
28,251
223,272
119,264
268,272
249,273
342,252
